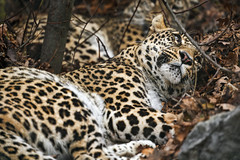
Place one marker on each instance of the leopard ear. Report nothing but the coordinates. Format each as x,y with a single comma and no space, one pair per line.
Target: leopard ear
158,23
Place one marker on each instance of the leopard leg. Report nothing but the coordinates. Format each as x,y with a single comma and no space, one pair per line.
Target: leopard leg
92,146
130,148
140,123
88,143
15,148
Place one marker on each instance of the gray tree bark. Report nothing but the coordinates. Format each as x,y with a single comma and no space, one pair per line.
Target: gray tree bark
56,33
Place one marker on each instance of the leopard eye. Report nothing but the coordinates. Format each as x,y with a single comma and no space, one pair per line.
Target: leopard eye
178,39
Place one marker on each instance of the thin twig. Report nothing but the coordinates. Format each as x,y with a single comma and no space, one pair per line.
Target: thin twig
97,39
104,47
211,80
139,1
26,26
6,19
25,29
24,4
50,60
162,10
180,100
75,49
34,18
220,35
54,54
192,40
89,21
30,38
193,7
93,34
195,79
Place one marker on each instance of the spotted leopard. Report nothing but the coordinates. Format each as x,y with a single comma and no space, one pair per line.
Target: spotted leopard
82,114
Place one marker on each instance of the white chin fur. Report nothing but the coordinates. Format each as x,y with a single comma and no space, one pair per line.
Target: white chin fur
173,75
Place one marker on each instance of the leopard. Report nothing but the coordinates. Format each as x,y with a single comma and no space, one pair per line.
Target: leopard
98,39
99,111
29,114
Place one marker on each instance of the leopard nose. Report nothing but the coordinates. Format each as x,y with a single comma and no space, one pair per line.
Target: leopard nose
185,58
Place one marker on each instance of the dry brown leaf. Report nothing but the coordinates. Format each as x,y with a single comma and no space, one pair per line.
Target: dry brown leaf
236,68
226,107
225,43
189,103
182,131
212,99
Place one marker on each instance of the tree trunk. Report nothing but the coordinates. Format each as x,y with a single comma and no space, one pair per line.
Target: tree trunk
56,33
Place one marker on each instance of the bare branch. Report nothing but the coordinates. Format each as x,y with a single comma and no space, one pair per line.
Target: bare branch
30,38
163,11
26,27
92,34
83,29
104,47
211,80
180,100
18,12
193,7
192,40
128,24
90,19
221,34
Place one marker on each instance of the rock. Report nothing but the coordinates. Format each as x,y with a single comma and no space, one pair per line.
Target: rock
215,139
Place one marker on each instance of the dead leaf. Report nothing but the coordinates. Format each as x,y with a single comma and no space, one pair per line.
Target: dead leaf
225,43
212,100
236,68
226,107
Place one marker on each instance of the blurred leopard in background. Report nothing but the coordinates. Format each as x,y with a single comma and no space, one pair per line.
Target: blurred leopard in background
102,39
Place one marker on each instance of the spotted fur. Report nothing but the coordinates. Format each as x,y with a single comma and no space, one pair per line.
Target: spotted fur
81,114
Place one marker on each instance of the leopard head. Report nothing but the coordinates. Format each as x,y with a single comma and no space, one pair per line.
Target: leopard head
169,60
